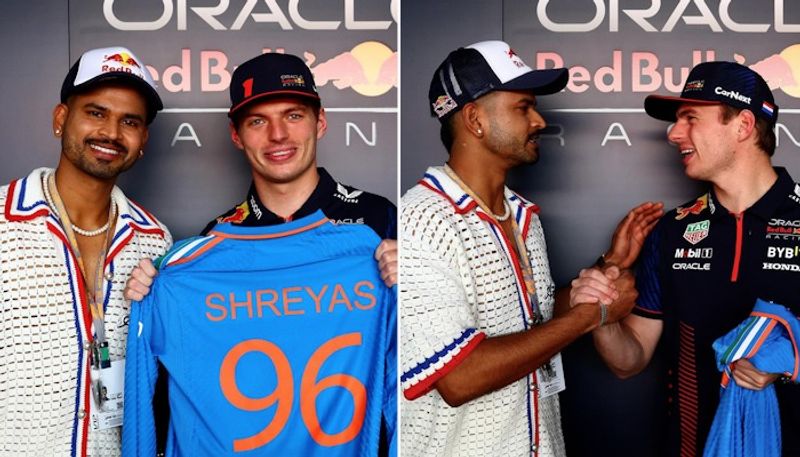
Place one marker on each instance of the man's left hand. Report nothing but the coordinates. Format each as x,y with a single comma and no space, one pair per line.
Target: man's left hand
628,238
748,376
386,255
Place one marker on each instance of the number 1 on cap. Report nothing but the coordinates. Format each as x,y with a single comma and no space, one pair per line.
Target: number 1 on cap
248,87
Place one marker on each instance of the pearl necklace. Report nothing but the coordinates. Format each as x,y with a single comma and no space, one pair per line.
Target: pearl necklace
505,215
78,230
90,233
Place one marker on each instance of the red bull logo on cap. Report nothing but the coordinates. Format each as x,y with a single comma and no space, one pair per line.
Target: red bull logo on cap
293,80
121,62
123,58
694,85
444,104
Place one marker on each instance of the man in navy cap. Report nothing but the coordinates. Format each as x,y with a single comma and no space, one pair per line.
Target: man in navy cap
276,120
273,98
707,261
482,324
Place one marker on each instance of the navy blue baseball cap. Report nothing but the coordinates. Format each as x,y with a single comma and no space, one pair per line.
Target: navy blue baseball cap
268,75
714,83
471,72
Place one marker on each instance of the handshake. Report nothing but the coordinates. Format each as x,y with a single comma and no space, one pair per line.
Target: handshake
608,287
610,283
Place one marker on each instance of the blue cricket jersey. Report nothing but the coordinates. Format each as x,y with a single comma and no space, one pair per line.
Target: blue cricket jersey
278,340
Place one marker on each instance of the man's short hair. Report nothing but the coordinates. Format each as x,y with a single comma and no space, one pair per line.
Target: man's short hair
446,131
764,128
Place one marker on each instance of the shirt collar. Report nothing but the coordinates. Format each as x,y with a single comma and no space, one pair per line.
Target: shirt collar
437,180
258,214
27,201
765,206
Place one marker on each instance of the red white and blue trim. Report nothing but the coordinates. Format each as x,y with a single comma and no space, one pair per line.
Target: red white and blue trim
420,379
26,202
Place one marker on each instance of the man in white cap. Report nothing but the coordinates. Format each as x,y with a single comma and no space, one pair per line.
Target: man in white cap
482,324
68,241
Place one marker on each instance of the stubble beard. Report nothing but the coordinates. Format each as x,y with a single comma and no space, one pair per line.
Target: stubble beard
79,154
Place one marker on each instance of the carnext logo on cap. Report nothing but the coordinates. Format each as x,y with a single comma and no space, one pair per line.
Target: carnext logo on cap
732,94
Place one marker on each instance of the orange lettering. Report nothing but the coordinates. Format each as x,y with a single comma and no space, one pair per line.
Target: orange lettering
317,298
310,389
288,301
367,295
271,303
283,393
339,296
245,304
217,306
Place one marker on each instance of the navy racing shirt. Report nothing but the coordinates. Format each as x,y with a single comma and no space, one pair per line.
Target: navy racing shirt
701,271
340,203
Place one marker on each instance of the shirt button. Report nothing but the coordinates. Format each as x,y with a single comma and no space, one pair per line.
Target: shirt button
81,414
534,388
109,276
87,345
534,447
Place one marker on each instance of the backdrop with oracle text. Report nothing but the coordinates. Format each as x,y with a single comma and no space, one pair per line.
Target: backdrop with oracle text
191,171
601,154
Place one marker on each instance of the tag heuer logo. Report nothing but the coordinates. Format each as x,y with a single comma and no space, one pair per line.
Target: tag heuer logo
697,232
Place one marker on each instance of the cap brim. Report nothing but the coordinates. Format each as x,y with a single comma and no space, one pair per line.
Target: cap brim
540,82
150,95
664,107
267,95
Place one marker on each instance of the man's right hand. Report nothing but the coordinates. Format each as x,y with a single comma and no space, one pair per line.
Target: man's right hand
592,286
625,284
138,285
609,286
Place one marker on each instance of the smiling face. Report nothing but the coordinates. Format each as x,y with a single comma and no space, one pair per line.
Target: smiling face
706,144
513,125
279,137
102,130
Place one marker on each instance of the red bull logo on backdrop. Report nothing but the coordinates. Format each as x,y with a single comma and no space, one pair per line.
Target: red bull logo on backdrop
370,69
781,70
643,71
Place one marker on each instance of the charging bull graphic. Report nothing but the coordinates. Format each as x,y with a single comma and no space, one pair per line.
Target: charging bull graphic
780,71
696,208
124,59
370,69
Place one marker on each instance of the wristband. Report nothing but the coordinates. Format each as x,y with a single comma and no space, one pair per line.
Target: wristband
601,261
603,314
